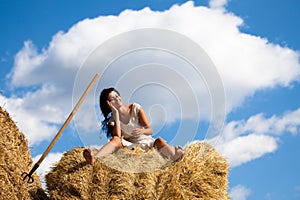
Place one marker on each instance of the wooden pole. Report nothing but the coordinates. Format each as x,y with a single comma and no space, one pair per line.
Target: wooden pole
61,130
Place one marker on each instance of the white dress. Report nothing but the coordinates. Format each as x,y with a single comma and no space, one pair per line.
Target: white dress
130,141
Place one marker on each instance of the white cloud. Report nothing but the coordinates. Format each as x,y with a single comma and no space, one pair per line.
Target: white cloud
36,124
246,63
246,148
46,165
217,3
27,61
239,192
259,124
243,141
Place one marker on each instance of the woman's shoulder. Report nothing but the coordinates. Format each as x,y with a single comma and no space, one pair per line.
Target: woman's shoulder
135,107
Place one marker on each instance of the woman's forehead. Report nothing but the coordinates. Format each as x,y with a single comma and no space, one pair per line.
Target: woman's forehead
112,94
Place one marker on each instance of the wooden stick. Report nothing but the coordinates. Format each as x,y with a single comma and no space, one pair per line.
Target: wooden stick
64,125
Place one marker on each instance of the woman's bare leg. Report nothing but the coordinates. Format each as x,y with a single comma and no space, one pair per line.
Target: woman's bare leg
108,148
166,150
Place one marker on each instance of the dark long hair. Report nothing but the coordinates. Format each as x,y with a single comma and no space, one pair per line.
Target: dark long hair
105,109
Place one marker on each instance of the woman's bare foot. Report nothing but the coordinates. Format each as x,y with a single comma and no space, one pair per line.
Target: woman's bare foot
88,156
178,153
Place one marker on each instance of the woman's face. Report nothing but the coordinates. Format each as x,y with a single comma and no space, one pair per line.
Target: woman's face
115,99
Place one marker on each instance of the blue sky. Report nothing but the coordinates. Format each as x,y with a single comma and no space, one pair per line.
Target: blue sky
262,85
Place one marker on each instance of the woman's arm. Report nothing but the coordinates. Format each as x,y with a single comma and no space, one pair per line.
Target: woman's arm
116,131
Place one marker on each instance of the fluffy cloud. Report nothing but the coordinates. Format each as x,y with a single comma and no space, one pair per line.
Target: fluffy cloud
218,3
239,192
37,124
246,63
246,148
243,141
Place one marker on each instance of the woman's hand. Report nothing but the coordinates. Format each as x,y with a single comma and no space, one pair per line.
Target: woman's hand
137,132
114,111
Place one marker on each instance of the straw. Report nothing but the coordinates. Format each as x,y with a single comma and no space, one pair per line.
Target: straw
119,175
14,158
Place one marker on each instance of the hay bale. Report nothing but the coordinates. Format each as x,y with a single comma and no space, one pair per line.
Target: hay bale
127,174
15,159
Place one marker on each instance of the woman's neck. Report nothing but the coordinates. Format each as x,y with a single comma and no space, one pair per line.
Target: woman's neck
124,109
124,113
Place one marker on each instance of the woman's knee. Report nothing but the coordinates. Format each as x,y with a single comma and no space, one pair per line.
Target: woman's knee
116,141
159,143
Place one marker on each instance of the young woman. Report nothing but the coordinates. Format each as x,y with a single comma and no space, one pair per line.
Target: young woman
127,125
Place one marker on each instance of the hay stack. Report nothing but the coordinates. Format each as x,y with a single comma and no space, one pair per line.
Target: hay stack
15,158
127,174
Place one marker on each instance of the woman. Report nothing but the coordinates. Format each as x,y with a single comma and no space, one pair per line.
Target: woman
127,126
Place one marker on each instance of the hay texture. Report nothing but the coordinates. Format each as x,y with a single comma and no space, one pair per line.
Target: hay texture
133,174
15,159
